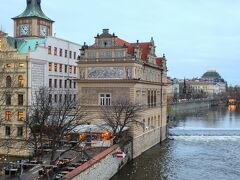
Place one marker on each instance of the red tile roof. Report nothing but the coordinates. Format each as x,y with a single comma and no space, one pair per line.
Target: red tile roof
125,43
144,46
144,49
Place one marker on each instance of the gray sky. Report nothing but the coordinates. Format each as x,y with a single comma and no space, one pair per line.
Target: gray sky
195,35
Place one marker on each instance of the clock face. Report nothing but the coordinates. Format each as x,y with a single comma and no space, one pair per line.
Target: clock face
43,30
24,30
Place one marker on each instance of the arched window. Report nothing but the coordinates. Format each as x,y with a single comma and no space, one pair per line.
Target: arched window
20,81
8,81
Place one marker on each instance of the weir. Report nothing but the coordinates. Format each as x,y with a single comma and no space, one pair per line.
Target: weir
204,132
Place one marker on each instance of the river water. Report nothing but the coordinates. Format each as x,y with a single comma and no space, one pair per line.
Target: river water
209,149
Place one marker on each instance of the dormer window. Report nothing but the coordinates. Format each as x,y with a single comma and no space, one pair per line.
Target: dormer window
105,43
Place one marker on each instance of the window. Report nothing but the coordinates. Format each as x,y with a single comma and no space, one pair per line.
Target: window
60,67
75,55
70,54
74,97
20,116
9,65
20,131
65,84
8,99
20,99
74,85
60,83
149,99
70,69
152,122
155,99
102,99
50,66
105,99
105,54
8,116
91,55
21,64
55,98
65,98
60,52
55,51
159,121
66,53
20,81
7,130
108,100
49,50
70,84
70,97
55,83
49,98
65,68
55,67
8,81
50,83
60,98
119,54
75,69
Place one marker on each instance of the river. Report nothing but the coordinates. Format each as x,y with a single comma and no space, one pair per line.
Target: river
209,149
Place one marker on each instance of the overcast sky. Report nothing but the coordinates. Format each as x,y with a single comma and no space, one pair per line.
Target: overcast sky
195,35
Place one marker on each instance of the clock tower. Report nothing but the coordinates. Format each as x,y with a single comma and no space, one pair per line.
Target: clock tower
32,22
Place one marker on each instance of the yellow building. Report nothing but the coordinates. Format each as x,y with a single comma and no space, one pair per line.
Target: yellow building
111,69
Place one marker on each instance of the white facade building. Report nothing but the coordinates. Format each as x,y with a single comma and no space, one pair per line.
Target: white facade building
53,65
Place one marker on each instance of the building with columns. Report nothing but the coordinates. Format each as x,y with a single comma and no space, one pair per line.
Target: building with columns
113,69
31,59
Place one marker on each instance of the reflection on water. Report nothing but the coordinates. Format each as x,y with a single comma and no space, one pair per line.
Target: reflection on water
232,108
216,117
192,157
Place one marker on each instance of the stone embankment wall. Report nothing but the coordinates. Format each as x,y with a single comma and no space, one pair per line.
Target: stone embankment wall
148,140
182,107
103,166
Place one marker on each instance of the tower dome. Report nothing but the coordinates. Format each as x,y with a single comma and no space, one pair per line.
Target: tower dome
211,75
33,9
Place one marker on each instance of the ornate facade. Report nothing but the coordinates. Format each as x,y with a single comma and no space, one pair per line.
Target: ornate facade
113,69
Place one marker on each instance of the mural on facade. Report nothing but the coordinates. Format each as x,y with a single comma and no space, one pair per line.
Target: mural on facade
107,73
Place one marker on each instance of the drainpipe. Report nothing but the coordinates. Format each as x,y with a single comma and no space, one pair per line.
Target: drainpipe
161,105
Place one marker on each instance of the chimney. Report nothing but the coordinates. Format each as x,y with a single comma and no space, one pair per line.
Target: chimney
105,31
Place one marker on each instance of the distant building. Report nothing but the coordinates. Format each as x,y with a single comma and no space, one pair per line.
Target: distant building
212,76
173,90
210,84
113,69
33,58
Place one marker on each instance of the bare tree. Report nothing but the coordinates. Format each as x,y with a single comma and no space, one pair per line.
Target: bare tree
52,123
122,113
